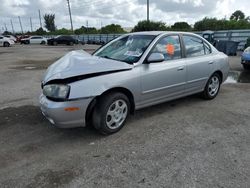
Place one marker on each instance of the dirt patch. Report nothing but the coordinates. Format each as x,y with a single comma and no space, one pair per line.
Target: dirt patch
50,178
33,64
28,115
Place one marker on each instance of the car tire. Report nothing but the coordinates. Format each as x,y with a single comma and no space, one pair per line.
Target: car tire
110,113
54,43
212,87
71,43
246,67
43,42
6,44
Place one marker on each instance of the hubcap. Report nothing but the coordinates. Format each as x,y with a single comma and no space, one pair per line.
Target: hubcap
116,114
213,86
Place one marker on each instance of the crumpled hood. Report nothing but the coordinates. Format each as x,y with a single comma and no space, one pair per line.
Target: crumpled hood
77,63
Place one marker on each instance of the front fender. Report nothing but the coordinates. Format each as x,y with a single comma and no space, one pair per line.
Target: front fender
95,86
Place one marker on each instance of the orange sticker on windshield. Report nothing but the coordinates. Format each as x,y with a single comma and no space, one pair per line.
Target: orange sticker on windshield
170,49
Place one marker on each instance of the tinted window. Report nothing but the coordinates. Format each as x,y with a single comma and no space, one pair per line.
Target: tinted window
169,46
1,37
194,46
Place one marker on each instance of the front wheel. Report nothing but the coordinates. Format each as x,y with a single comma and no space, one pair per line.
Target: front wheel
6,44
246,67
110,113
212,87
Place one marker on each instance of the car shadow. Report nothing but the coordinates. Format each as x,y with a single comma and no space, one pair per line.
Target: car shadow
31,119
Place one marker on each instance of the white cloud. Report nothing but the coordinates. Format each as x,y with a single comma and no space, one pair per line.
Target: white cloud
124,12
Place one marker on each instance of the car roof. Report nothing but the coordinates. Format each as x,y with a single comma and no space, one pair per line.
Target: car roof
160,32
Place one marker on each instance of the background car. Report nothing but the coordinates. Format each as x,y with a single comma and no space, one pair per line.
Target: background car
131,72
245,58
11,37
6,42
62,39
34,40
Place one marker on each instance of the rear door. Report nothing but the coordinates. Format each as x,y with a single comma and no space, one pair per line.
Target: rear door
199,62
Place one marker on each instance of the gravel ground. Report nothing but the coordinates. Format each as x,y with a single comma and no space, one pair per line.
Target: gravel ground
184,143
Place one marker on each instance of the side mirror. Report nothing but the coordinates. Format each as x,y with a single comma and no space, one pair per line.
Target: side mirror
155,57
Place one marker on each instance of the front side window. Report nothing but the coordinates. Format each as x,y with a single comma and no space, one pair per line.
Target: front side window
169,46
128,49
194,46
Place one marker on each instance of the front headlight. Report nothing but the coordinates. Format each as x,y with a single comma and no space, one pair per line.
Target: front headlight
56,91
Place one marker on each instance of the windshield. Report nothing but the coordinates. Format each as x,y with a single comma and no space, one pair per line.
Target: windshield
247,50
128,49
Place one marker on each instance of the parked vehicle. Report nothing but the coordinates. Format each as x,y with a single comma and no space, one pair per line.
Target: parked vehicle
6,42
62,39
11,37
34,40
19,38
245,58
131,72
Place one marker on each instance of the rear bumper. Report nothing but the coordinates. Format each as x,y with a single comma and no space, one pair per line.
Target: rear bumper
57,114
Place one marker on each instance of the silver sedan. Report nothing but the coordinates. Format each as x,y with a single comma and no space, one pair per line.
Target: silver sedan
131,72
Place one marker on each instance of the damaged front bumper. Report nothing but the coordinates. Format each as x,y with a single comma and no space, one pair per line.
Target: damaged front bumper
65,114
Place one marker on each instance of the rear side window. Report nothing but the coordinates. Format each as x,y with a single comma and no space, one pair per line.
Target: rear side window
194,46
169,46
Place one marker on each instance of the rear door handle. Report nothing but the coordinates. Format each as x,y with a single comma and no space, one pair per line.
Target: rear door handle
210,62
180,68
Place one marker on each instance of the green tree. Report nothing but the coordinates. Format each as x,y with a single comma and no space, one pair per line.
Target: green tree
181,26
61,31
237,15
112,28
40,31
49,20
150,26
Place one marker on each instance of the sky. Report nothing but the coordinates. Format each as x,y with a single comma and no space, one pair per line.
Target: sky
99,13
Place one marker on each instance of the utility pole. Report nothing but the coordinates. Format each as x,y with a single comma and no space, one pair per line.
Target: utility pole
148,10
20,24
31,25
40,18
6,29
70,17
13,31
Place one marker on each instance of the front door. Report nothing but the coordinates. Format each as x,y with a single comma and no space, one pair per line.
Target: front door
164,80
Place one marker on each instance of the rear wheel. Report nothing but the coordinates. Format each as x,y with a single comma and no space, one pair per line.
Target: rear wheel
246,67
110,113
212,87
6,44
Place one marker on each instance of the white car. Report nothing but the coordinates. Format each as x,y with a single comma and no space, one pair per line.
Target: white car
34,40
6,42
11,37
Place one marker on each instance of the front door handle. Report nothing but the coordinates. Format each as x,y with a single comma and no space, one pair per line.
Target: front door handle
180,68
210,62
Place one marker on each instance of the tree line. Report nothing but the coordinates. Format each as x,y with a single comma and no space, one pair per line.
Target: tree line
237,20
